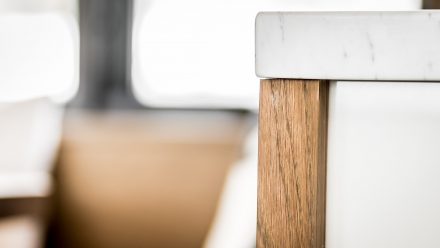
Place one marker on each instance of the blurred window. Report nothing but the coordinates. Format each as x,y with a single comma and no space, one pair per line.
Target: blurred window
39,49
200,53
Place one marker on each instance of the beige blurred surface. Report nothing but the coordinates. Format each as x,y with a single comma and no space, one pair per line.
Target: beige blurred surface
20,232
23,221
143,179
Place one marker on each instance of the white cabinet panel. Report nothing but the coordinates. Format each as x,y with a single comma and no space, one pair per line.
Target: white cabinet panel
383,165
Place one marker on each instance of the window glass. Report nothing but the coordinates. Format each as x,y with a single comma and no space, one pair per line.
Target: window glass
200,53
39,50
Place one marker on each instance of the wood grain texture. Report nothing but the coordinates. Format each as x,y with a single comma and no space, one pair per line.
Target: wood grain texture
292,163
431,4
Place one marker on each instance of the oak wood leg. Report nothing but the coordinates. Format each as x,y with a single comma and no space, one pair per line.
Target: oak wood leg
292,163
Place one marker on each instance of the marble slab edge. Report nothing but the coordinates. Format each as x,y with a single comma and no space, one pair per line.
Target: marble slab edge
370,46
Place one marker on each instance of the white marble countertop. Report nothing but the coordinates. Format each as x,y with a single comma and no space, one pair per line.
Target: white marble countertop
394,46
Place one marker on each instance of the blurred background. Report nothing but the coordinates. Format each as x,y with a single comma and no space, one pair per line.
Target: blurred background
132,123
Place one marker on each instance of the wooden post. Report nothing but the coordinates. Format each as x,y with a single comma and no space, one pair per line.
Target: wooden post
292,163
